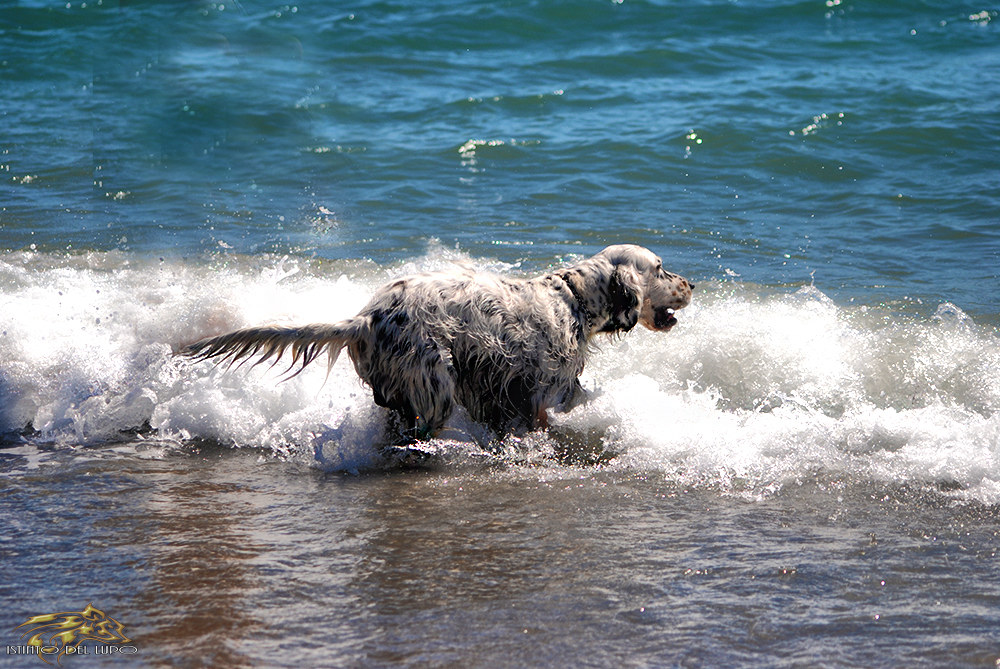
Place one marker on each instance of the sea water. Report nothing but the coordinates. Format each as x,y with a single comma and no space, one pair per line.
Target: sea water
805,470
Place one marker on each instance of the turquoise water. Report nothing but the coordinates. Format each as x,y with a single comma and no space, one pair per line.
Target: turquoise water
805,470
851,144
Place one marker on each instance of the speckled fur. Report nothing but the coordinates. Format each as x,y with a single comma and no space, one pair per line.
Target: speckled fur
506,349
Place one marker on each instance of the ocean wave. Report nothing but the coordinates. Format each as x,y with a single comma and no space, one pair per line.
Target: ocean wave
754,389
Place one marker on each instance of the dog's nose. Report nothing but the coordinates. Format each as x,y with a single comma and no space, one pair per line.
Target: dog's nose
690,285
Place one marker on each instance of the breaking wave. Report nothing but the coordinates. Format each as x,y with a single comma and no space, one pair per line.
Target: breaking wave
754,389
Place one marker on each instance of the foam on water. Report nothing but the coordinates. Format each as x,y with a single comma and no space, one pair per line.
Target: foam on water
754,388
755,392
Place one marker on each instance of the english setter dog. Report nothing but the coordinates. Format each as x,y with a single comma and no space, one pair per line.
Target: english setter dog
506,349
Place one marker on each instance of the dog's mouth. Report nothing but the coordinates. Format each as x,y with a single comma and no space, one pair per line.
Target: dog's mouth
663,319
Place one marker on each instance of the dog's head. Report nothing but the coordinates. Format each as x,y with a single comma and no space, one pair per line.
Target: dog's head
639,290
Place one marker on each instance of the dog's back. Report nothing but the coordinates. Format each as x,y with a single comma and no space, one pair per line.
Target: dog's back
497,346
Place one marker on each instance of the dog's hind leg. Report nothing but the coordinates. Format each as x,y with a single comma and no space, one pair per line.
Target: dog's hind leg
431,398
422,392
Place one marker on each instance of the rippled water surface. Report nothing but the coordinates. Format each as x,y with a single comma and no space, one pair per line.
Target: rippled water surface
805,471
212,557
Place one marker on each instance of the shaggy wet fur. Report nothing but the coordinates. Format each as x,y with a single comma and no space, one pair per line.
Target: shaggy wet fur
506,349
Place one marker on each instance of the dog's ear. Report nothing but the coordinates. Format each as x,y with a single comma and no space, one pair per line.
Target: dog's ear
624,299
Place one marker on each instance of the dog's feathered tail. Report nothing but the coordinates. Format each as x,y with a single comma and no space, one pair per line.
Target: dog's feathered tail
304,343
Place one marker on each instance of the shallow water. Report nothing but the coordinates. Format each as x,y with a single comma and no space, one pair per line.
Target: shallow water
806,470
220,557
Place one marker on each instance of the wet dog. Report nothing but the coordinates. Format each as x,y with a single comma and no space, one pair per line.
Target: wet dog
506,349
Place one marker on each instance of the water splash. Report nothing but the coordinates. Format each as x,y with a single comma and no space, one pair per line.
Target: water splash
752,390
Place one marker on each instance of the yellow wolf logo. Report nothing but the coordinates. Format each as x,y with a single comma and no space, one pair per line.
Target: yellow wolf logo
62,633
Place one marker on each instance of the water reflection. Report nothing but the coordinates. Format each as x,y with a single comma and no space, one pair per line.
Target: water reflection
475,567
199,567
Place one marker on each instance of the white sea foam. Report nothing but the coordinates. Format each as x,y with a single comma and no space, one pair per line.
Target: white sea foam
752,390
